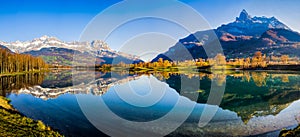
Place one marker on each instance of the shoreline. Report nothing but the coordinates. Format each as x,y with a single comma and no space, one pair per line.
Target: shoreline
13,123
21,73
170,69
290,132
294,68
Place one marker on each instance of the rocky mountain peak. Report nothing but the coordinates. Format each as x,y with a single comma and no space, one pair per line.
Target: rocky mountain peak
47,38
99,44
44,37
244,16
245,25
240,38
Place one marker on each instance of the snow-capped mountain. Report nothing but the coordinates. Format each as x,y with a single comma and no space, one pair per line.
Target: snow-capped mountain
250,26
240,38
56,51
47,41
5,48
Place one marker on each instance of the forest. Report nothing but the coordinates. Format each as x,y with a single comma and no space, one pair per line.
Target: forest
14,62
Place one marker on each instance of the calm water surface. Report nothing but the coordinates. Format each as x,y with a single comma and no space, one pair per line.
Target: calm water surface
97,104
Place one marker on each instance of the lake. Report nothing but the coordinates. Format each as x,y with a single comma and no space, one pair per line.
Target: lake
88,103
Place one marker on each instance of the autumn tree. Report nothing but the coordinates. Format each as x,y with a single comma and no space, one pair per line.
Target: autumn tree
14,62
220,59
160,62
247,62
167,63
284,59
259,60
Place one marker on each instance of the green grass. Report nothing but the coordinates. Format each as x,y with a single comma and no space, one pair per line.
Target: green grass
290,133
59,59
12,123
21,73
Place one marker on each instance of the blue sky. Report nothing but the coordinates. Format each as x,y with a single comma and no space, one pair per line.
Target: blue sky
66,19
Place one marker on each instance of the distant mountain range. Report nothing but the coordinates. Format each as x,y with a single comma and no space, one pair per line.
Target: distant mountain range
240,38
55,51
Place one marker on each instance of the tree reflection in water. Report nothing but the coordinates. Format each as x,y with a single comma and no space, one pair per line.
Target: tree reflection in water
12,83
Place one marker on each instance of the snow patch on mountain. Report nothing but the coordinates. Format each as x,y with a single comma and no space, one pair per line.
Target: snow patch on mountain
47,41
97,47
251,26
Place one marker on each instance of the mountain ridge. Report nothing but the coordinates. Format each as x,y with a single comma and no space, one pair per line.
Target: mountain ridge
251,26
240,38
58,52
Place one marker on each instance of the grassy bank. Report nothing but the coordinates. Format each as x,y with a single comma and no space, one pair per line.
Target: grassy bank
291,133
12,123
21,73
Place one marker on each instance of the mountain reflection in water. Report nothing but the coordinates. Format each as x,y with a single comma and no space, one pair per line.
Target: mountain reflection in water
253,103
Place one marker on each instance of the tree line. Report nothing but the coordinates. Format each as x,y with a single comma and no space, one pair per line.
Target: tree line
258,60
14,62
